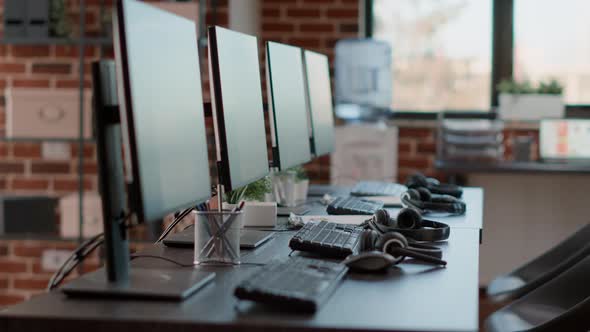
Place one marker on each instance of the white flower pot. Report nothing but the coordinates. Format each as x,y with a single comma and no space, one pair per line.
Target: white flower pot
301,191
257,214
530,106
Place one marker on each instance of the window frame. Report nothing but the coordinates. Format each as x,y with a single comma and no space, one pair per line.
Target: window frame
501,67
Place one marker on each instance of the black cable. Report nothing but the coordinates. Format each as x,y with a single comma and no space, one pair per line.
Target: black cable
173,224
78,256
134,256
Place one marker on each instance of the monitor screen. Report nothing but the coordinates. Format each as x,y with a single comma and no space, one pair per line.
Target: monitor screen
287,105
565,139
317,69
238,110
161,109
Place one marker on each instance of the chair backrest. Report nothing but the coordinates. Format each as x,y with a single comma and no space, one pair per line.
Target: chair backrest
543,268
562,304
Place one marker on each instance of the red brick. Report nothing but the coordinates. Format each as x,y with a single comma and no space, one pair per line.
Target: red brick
12,68
70,184
29,184
90,167
348,27
271,12
66,51
278,27
89,150
303,12
427,147
68,84
31,283
50,167
11,299
30,83
3,249
342,13
26,150
3,184
3,148
12,266
11,167
316,27
30,51
404,147
279,2
304,42
416,132
52,68
3,283
415,162
30,251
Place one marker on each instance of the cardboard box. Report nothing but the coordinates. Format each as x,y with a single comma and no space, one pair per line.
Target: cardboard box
44,113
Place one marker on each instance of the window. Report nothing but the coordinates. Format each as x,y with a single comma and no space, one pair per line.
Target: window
441,52
552,40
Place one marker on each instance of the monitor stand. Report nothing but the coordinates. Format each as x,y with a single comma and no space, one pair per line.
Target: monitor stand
118,279
142,283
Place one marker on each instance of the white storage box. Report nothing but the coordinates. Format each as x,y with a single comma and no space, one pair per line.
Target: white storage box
46,113
530,106
92,210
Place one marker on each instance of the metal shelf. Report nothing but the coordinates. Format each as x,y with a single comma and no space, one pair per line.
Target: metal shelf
46,139
101,41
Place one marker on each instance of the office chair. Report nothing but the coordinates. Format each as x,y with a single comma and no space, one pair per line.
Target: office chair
541,269
561,304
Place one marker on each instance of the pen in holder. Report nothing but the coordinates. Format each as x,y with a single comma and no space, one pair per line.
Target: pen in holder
217,237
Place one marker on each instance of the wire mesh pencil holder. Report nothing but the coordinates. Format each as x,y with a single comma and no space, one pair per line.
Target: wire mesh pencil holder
217,237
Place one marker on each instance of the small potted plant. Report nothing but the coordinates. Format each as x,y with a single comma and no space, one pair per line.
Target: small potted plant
256,211
301,184
290,186
523,101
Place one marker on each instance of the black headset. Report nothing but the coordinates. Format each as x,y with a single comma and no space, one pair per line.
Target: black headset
397,246
418,180
409,222
425,201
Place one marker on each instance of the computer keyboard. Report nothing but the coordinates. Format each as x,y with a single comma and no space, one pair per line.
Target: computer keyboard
378,188
327,239
353,206
300,284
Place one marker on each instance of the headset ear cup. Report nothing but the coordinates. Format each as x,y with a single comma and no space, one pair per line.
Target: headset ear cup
382,217
409,218
368,239
417,180
447,199
414,194
425,194
388,242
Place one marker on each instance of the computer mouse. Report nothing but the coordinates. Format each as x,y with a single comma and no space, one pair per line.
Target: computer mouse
370,261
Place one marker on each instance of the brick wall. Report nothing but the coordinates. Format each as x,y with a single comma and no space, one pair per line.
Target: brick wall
23,170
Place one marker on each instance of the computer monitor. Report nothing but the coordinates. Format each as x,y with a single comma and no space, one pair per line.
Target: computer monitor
238,110
162,110
287,109
161,122
561,139
319,92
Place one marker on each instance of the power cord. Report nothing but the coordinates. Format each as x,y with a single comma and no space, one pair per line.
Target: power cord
134,256
173,224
